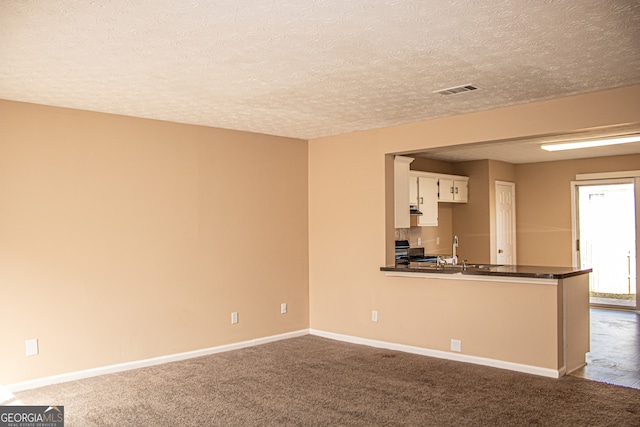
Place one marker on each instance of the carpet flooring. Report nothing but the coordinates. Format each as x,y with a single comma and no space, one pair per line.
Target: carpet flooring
313,381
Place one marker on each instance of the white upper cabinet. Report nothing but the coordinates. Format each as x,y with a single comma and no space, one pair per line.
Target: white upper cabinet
424,190
453,189
427,200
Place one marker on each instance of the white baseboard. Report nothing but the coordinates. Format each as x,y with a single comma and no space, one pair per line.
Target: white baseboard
545,372
72,376
87,373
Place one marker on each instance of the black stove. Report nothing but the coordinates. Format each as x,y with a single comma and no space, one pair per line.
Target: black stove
405,253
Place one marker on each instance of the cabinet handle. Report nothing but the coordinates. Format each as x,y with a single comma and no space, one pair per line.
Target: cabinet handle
451,190
456,190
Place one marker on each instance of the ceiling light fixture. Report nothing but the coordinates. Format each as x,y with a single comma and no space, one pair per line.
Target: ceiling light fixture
589,144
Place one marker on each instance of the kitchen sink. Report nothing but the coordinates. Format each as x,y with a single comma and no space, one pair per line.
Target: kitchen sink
457,267
473,266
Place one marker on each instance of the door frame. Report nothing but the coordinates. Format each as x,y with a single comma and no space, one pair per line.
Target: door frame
494,242
606,178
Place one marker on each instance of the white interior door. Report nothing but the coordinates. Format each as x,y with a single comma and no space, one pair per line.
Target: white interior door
505,222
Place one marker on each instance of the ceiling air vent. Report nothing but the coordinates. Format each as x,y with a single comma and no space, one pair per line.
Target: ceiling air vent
457,89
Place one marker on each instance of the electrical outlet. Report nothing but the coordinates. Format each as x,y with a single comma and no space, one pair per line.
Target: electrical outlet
437,240
234,317
283,308
374,315
32,347
419,241
456,345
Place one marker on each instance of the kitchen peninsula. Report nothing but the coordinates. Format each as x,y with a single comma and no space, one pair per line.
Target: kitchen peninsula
526,318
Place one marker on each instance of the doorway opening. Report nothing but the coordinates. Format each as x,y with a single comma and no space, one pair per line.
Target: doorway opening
606,241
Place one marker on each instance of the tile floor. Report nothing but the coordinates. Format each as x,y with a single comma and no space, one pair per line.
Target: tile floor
615,348
626,303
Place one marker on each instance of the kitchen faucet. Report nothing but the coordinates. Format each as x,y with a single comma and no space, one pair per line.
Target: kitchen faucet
455,246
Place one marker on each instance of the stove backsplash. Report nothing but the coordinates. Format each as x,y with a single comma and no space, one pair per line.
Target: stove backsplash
435,241
403,234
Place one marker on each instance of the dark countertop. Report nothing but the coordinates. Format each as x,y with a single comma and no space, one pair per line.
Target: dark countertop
533,271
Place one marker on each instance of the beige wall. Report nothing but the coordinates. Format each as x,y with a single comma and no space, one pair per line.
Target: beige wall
543,206
431,165
471,219
347,202
435,240
513,322
123,239
472,222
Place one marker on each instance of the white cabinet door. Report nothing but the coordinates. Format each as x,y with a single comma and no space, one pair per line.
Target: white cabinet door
428,201
453,190
460,191
445,191
413,190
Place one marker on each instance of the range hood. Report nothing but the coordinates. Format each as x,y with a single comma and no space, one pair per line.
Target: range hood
413,211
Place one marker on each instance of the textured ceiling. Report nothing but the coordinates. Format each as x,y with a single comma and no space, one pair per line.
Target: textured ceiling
311,68
528,150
